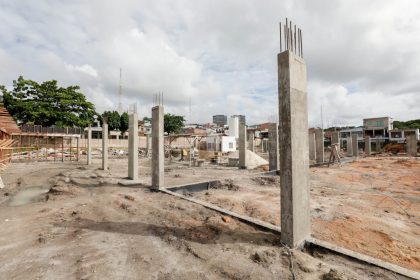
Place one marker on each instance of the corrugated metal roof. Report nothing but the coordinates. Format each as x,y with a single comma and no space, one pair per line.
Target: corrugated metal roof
7,123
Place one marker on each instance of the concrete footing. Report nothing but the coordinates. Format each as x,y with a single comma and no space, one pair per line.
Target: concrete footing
273,152
158,155
294,157
133,147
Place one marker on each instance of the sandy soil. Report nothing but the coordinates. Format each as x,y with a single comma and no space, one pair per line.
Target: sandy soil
370,206
87,227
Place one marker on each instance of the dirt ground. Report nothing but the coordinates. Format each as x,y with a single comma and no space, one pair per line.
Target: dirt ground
85,226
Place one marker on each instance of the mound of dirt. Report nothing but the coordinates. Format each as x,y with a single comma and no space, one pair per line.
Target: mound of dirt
225,185
252,159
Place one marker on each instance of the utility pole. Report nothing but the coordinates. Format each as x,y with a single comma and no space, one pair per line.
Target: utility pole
120,94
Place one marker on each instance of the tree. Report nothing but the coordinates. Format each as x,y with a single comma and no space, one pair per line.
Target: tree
124,122
173,123
413,124
113,119
47,104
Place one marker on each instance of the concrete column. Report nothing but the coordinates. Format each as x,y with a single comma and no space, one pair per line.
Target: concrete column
335,139
355,145
312,146
273,152
89,146
411,145
158,155
294,155
378,145
349,147
133,147
242,145
251,142
368,150
105,144
148,144
319,141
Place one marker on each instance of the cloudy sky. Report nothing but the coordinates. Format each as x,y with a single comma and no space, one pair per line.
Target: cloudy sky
363,57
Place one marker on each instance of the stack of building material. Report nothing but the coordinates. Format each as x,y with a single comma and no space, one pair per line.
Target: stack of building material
7,123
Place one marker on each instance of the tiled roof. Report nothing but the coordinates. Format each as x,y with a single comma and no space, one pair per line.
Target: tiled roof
7,123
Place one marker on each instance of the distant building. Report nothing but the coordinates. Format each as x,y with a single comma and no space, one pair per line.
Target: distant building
400,135
233,124
220,120
378,127
240,117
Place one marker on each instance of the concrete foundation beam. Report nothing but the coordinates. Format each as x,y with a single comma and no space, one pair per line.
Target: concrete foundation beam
294,155
242,146
273,153
319,141
158,155
133,147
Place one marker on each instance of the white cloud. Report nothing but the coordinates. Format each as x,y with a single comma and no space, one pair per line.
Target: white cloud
362,57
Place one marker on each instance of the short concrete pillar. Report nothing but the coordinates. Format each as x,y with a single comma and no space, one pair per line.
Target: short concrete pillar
294,155
335,138
105,144
273,152
319,142
378,147
158,155
89,146
242,145
349,146
312,145
133,146
368,150
355,145
251,142
411,145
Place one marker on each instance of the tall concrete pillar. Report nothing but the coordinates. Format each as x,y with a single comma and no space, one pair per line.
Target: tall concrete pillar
349,147
312,145
133,147
89,146
335,138
294,157
251,142
158,153
273,152
105,144
411,145
319,141
355,145
368,149
242,145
